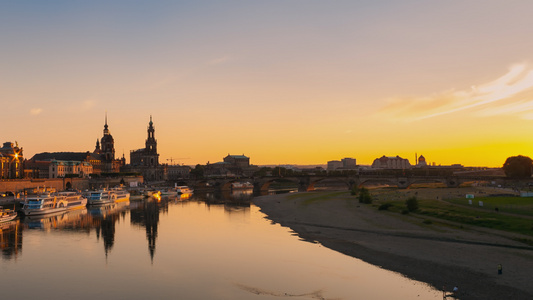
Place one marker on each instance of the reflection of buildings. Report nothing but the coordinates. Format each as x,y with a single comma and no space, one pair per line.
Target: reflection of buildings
146,160
104,219
11,159
10,239
147,216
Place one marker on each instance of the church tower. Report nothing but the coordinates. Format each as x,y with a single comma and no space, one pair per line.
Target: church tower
108,144
151,146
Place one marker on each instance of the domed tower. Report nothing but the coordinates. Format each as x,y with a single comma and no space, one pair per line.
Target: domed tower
108,144
422,161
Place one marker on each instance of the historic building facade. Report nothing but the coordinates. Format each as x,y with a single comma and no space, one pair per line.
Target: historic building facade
11,161
60,164
107,162
62,168
391,162
233,165
146,160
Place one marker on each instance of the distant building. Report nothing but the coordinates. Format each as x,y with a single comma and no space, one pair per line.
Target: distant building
146,160
343,164
61,168
421,161
391,162
348,163
41,164
11,161
233,165
334,165
178,172
101,160
238,161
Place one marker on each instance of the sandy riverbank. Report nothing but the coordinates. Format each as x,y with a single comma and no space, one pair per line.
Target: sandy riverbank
443,256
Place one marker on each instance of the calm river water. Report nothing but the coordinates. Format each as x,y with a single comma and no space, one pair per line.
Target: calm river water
198,248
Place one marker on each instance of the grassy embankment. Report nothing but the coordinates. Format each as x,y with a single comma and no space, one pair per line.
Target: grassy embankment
514,214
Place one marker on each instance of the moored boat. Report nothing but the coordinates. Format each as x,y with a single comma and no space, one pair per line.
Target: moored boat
53,203
7,214
183,189
106,196
75,200
169,192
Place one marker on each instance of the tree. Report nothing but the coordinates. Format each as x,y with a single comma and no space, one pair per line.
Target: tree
518,167
198,171
411,203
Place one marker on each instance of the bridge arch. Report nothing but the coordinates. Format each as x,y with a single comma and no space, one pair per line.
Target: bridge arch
263,184
344,181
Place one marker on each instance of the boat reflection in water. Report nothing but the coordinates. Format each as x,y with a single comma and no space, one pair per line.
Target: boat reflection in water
10,239
76,219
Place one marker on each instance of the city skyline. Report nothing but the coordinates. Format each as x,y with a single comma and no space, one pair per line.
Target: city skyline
283,82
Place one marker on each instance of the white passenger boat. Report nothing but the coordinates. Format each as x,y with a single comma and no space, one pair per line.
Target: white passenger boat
184,190
53,203
75,200
7,214
105,196
169,192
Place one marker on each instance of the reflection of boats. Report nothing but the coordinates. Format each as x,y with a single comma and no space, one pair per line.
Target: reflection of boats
70,219
53,203
183,189
106,196
108,209
183,196
7,214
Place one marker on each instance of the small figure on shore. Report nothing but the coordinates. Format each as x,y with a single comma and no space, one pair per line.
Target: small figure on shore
500,269
455,290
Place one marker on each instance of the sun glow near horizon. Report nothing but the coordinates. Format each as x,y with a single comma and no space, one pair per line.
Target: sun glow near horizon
283,82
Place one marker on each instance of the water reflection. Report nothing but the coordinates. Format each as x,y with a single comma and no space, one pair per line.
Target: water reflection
146,215
10,239
103,220
227,244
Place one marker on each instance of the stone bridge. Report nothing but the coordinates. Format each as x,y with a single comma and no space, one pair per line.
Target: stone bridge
307,183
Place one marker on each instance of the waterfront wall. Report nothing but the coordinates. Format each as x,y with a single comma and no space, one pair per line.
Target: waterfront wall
19,185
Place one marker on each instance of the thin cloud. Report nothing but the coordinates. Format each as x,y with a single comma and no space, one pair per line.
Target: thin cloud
512,93
219,61
35,111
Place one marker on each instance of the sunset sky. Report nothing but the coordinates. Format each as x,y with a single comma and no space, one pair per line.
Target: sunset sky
283,82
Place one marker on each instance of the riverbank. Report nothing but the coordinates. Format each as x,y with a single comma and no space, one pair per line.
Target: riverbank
441,254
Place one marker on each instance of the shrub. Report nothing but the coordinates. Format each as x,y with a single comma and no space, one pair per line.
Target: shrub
412,204
384,206
364,196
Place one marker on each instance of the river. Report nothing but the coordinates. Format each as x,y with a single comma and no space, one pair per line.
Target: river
197,248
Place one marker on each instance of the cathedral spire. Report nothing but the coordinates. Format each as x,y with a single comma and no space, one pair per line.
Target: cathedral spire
106,130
